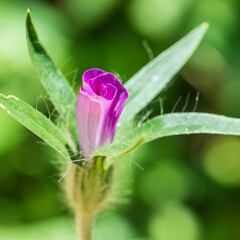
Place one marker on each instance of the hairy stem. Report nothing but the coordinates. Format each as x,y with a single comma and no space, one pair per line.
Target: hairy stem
88,187
84,226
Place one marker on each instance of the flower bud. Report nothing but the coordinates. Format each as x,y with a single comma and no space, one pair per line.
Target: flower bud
99,105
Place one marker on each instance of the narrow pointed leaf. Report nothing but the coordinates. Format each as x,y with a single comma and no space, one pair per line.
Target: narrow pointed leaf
35,122
174,124
146,84
58,88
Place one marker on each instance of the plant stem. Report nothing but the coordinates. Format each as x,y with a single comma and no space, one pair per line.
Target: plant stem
87,188
84,226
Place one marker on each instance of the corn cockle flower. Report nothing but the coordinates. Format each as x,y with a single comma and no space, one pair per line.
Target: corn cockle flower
99,105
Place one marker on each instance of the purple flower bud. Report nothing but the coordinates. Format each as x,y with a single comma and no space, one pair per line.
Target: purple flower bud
98,109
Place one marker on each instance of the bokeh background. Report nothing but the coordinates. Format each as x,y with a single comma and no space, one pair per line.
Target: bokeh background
181,188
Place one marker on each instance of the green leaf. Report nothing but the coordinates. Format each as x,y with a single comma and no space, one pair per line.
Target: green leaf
146,84
58,88
35,122
173,124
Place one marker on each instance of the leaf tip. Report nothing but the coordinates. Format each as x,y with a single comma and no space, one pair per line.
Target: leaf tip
28,17
205,26
31,32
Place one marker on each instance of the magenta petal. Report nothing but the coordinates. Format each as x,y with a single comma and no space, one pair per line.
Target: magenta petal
90,113
98,108
91,73
88,76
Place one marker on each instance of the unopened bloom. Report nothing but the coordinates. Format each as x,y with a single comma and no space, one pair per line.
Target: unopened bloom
99,105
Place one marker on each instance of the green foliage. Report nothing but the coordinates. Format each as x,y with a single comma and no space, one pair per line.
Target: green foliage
160,71
145,85
35,122
58,88
199,172
174,124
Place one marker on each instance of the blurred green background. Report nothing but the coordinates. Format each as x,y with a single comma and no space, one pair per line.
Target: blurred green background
182,188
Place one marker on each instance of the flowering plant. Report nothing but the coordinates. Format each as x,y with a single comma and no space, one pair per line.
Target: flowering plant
89,128
98,109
